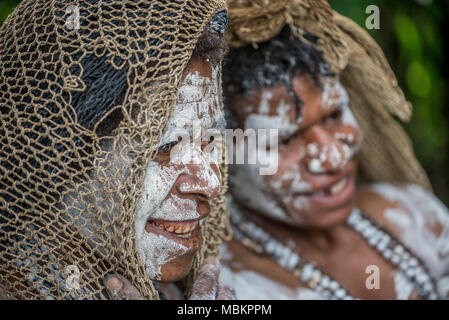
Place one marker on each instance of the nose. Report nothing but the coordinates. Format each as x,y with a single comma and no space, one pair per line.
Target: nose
325,153
202,178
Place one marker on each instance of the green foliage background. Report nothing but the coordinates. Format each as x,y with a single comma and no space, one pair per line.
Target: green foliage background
412,34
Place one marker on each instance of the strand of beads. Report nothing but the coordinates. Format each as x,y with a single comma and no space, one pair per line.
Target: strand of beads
260,241
392,250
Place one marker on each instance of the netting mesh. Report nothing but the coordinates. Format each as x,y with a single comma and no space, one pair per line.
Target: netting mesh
68,190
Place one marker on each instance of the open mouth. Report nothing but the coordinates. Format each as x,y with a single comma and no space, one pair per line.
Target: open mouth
334,195
334,189
179,229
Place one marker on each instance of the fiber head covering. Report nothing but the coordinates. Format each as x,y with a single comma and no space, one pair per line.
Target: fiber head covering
375,97
68,190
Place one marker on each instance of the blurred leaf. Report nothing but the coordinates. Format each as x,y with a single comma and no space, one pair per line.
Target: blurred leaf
408,35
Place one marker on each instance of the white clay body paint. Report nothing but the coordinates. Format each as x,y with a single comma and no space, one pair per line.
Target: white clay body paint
198,101
402,286
417,212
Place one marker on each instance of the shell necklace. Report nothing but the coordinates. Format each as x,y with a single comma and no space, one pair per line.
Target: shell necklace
256,239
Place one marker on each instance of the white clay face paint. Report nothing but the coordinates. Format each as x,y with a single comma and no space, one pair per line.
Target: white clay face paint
253,189
338,154
289,181
348,119
200,102
249,187
333,93
197,102
417,212
257,191
156,250
263,120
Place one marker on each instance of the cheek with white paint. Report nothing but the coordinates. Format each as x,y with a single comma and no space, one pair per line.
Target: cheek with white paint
250,188
265,194
334,94
156,201
198,101
336,155
156,251
289,181
352,139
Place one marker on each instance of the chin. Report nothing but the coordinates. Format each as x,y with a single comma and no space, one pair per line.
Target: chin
323,220
177,268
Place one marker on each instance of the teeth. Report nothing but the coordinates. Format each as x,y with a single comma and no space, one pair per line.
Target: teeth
182,231
336,188
185,235
179,229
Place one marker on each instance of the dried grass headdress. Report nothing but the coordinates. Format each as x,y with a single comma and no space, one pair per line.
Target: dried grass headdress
66,198
375,97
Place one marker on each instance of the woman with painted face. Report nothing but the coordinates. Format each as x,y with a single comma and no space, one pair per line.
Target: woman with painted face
93,105
347,214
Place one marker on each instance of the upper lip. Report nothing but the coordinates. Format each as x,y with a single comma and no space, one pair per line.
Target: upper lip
201,217
346,173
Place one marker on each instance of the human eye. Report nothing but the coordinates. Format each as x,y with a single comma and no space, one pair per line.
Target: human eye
285,140
334,116
163,152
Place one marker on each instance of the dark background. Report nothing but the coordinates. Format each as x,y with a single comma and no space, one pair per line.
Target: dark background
412,35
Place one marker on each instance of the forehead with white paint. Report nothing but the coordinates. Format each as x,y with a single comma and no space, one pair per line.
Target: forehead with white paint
334,94
262,117
198,100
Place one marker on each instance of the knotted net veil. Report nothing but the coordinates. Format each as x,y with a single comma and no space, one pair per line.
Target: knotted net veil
375,97
68,189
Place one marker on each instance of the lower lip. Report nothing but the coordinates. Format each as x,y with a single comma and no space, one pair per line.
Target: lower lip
192,243
339,199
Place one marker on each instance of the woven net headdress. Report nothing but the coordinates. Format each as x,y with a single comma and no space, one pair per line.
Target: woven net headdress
375,97
68,190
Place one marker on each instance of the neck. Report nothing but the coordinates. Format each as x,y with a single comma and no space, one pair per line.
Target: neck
322,239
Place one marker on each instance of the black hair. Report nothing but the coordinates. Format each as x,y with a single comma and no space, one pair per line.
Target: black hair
273,62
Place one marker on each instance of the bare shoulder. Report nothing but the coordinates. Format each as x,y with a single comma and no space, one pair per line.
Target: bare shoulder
416,217
400,207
